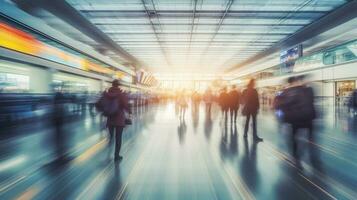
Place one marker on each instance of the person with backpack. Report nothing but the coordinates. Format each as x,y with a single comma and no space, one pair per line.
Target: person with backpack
250,108
114,105
297,105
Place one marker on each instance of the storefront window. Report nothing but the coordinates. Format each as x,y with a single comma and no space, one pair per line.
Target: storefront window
343,91
14,82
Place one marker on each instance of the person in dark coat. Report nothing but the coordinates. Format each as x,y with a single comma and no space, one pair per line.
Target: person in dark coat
250,108
352,104
117,122
297,104
208,99
223,102
234,98
59,119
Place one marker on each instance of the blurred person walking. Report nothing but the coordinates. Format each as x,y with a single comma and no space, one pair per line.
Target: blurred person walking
223,102
250,108
196,99
91,100
234,101
297,105
59,119
208,99
115,105
353,102
182,103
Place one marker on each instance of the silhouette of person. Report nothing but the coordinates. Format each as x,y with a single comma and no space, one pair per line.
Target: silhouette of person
182,103
234,98
223,102
250,108
195,100
352,104
117,122
59,117
297,104
208,99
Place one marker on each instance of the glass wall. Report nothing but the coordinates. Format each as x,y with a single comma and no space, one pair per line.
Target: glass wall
336,55
10,82
75,84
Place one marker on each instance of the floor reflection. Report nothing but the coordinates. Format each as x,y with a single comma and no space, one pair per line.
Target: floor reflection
181,130
164,159
208,125
114,186
248,169
233,142
223,146
315,157
195,115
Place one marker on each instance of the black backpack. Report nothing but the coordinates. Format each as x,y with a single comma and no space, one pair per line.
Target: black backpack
108,105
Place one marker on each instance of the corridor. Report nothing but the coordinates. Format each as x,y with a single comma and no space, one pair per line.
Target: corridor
200,157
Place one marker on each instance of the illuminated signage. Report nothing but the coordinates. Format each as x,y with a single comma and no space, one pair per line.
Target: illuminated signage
14,39
291,54
288,57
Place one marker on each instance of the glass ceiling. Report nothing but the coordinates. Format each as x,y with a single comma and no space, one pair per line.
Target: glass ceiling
199,36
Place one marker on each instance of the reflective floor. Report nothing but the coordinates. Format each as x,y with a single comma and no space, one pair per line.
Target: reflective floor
165,157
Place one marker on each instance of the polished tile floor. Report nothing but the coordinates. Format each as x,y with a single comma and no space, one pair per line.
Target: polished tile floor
199,157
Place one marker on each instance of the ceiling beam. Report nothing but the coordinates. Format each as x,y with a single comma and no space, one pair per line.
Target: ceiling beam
191,24
189,12
193,21
266,16
140,42
149,15
195,33
67,13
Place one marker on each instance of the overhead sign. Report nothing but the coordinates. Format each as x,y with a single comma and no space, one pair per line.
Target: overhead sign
288,57
291,54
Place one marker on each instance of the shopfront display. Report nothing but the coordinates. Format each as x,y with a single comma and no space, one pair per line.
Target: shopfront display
14,82
344,90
